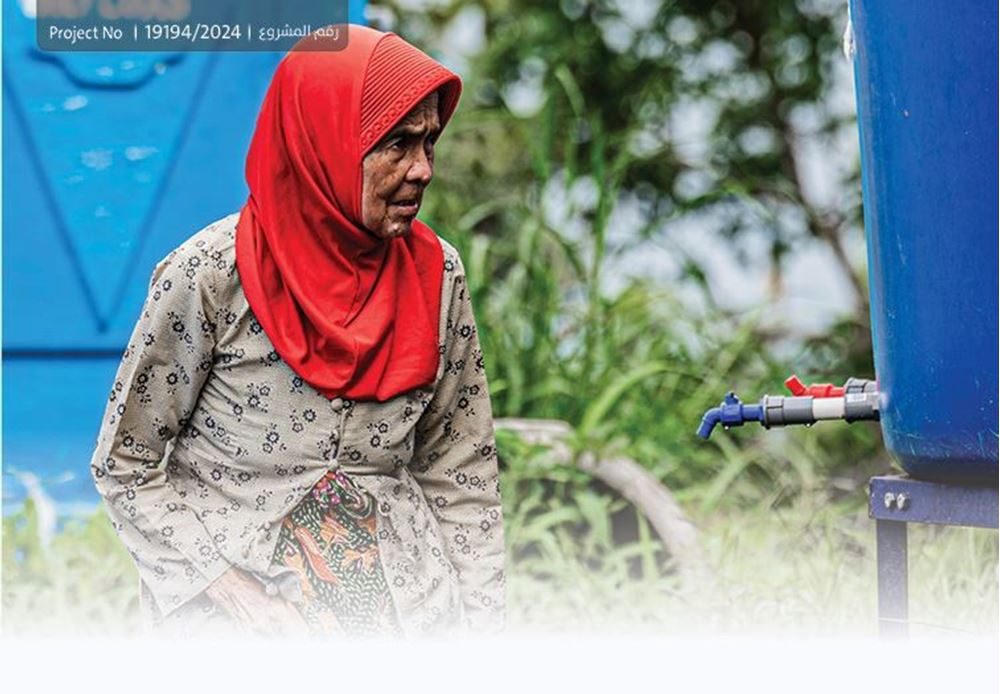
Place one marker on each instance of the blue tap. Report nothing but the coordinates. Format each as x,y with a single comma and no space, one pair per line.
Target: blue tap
730,413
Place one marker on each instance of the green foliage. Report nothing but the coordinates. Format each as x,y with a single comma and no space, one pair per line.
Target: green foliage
629,361
633,369
81,580
703,108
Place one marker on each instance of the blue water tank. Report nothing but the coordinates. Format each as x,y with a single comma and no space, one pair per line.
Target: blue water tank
926,79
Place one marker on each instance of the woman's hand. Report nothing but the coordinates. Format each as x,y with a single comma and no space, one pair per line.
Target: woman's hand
242,597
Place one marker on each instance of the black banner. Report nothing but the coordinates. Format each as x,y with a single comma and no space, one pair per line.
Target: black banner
191,25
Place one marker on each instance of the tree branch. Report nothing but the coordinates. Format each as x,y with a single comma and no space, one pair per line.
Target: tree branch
630,479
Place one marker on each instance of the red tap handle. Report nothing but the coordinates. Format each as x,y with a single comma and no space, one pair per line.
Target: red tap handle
816,390
794,385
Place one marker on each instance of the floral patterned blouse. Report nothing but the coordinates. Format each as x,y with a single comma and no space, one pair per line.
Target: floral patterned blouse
209,439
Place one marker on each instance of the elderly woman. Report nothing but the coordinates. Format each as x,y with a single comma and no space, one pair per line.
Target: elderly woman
299,435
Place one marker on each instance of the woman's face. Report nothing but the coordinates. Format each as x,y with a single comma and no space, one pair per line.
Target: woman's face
397,169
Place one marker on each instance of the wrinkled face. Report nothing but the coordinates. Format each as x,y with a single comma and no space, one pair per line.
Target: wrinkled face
397,169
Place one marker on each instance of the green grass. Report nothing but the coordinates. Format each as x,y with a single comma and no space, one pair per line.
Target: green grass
795,571
579,561
84,580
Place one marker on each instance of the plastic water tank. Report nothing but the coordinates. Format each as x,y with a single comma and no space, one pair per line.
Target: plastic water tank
926,79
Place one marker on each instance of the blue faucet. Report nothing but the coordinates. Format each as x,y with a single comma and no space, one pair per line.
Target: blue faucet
730,413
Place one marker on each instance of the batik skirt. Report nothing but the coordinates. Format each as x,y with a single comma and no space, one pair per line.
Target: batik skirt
329,539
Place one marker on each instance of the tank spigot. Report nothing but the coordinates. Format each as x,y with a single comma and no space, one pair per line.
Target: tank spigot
730,413
859,400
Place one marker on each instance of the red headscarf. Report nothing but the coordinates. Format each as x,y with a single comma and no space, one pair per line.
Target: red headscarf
353,314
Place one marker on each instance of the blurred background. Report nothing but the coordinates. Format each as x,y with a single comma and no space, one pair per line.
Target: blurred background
656,201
